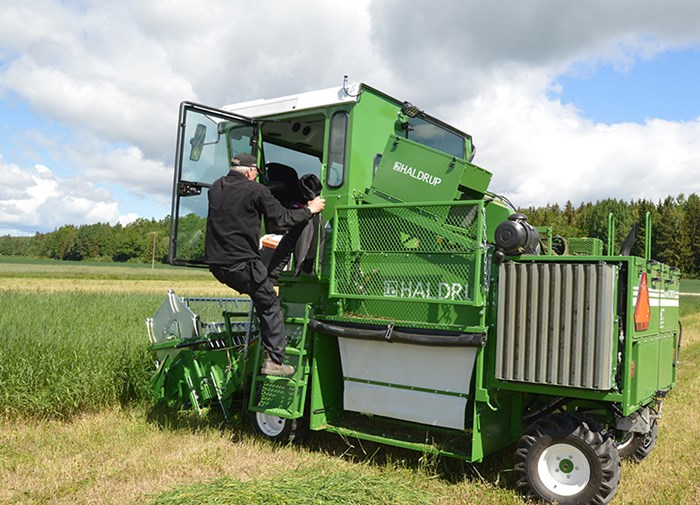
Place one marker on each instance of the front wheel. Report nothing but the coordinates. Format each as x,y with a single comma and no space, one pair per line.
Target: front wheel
561,459
280,429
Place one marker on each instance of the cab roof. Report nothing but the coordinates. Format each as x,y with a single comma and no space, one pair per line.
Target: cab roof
300,101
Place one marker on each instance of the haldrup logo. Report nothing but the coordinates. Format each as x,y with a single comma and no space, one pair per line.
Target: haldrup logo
426,290
418,175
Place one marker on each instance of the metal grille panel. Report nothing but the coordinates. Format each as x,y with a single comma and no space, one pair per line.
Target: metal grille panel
585,246
210,314
555,324
429,253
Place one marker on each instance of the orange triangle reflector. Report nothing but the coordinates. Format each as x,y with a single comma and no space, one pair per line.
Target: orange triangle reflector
642,314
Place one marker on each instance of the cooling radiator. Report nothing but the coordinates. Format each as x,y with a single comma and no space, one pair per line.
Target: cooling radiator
556,324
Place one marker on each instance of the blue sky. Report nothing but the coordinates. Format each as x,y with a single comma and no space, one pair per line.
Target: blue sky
89,91
666,86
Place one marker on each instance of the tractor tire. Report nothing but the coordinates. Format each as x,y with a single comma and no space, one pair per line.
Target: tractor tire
561,459
637,446
280,429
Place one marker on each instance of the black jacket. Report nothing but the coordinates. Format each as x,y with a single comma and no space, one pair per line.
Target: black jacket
236,206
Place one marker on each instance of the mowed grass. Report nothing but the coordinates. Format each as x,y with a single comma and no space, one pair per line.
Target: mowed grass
11,266
689,314
121,455
77,426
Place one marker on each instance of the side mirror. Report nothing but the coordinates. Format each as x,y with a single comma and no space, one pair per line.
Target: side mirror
197,142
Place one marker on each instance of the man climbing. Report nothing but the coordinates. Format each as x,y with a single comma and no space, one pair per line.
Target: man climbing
236,206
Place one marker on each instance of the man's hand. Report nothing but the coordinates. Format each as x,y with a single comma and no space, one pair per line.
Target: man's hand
316,205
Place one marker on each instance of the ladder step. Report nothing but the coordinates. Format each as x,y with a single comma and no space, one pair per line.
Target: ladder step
277,412
293,351
284,396
296,320
289,381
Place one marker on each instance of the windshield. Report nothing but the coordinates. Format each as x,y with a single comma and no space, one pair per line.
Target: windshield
435,136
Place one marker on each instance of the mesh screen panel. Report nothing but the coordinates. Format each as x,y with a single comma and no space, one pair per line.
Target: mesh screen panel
585,246
430,253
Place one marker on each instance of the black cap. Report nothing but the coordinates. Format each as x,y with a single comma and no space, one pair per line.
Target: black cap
310,186
244,160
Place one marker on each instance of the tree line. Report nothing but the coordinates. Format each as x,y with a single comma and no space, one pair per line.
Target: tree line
96,242
675,226
675,233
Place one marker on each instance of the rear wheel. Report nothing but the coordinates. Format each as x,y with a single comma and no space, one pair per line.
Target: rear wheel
280,429
561,459
637,446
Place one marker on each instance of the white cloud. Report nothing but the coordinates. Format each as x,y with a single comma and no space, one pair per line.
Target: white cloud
452,45
542,151
128,218
92,159
121,69
39,200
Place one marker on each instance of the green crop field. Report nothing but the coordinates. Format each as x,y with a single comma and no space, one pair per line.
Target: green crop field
77,425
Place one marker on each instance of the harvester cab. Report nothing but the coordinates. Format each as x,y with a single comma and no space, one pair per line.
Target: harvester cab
425,313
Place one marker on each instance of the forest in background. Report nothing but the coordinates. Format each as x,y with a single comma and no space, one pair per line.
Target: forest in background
675,233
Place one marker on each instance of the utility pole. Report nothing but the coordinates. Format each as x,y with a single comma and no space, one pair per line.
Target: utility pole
153,252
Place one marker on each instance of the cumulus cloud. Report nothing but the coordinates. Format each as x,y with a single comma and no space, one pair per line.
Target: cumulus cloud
545,152
121,69
37,199
455,47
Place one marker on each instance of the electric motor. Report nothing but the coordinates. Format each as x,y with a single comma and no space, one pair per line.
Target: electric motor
516,236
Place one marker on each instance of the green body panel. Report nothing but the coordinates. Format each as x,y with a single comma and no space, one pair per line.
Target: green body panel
326,382
496,425
649,377
412,172
652,353
372,119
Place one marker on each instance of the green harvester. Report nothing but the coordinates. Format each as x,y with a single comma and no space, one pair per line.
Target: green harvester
429,314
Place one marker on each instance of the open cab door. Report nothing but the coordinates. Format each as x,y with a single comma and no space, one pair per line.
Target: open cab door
207,140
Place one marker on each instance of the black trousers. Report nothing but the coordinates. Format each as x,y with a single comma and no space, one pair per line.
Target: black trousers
250,277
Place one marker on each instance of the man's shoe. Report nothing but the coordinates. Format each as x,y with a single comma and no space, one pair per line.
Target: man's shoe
270,367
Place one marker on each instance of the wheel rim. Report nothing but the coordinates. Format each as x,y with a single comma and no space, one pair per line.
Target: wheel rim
270,425
625,441
564,469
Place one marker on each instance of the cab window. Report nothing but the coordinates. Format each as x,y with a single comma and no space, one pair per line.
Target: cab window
336,149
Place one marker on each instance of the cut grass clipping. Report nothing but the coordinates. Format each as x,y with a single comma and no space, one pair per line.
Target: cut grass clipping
312,486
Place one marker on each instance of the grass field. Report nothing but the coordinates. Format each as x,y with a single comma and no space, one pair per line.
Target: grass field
76,425
690,286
